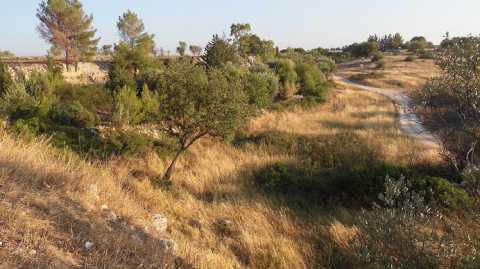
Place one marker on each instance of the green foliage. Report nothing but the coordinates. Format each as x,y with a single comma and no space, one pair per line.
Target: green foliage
72,114
364,49
132,68
127,107
130,27
409,233
196,103
6,80
261,88
342,168
64,24
131,109
452,100
219,52
418,43
312,81
440,191
285,69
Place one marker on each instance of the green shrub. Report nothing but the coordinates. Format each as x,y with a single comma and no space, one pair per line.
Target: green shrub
6,80
312,81
73,114
261,88
410,58
440,191
16,103
93,97
127,107
406,232
424,54
285,70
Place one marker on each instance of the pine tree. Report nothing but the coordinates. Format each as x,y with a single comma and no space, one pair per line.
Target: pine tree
218,52
130,27
64,24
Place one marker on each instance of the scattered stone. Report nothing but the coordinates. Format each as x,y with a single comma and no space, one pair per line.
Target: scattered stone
104,207
1,244
160,223
89,245
32,252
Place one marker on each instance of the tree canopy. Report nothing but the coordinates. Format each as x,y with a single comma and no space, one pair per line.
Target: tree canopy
64,24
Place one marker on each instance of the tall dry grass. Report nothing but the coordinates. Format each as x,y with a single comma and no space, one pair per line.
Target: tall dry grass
397,73
52,202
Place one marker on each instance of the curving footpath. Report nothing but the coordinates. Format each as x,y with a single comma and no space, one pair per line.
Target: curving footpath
409,122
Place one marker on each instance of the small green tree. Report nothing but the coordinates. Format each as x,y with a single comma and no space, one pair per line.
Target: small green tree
182,48
196,104
130,27
237,30
64,24
218,52
285,70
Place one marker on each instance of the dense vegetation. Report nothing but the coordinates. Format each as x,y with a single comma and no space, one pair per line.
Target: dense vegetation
405,215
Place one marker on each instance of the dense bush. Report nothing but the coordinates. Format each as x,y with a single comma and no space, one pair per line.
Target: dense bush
285,69
342,168
261,88
407,232
72,114
219,52
440,191
5,78
312,81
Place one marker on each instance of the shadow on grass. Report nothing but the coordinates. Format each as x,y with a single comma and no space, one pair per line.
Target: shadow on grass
366,115
67,226
356,126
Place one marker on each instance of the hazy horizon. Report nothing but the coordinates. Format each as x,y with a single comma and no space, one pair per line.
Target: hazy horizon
304,23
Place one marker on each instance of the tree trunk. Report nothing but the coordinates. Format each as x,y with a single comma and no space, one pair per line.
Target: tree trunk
171,168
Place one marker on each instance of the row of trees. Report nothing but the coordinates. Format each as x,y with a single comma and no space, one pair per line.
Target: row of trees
391,42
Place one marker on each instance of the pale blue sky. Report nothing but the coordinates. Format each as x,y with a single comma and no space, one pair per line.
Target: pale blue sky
294,23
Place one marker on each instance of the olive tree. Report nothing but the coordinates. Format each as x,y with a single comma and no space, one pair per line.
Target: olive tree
453,99
195,104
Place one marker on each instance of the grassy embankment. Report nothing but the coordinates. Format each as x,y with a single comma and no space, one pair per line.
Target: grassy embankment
53,202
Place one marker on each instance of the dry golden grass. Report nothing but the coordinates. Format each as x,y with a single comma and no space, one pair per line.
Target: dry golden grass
397,73
47,203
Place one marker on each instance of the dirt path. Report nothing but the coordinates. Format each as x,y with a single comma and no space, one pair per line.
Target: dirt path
409,122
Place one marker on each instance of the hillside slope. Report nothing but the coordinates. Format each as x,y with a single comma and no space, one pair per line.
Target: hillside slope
60,212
